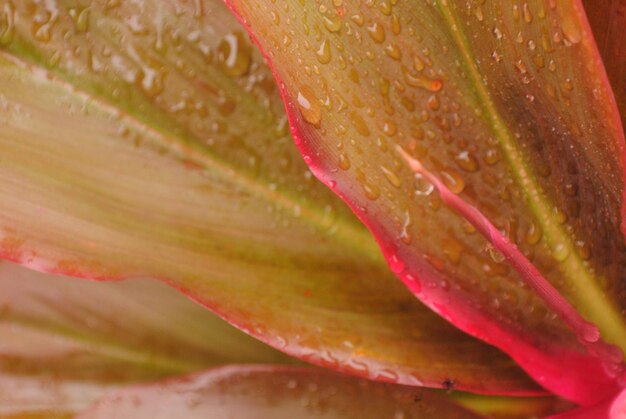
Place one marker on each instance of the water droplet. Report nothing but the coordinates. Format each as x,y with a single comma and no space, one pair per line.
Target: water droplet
494,253
433,103
385,8
7,23
466,161
417,80
533,234
478,13
332,22
560,252
453,180
405,234
395,25
234,54
372,192
521,67
570,28
583,250
568,84
323,52
422,186
492,156
391,176
590,333
309,105
359,124
393,51
396,264
413,283
358,19
497,33
528,16
377,32
81,20
344,162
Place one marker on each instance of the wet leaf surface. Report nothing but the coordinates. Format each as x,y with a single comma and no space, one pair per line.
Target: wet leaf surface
149,140
275,392
64,342
507,104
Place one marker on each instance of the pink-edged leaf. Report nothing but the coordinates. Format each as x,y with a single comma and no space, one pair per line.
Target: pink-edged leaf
610,408
276,393
507,104
64,342
608,20
148,139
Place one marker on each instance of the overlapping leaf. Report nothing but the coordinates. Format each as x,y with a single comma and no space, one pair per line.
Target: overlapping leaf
275,392
505,102
147,139
64,342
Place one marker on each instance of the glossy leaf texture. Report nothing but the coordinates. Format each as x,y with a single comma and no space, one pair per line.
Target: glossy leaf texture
507,104
608,20
65,342
148,139
275,392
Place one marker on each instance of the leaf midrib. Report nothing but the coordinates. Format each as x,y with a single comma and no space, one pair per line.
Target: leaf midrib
584,287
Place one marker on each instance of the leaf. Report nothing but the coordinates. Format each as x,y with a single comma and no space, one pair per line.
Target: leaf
64,342
274,392
147,139
498,407
610,408
608,20
507,105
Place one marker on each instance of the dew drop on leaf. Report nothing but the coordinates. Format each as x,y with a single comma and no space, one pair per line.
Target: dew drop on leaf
332,22
377,32
344,162
396,264
560,252
453,180
422,186
309,105
323,52
466,161
234,54
494,253
533,234
7,23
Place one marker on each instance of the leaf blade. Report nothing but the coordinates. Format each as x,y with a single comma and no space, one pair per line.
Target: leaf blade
208,208
275,392
459,99
59,353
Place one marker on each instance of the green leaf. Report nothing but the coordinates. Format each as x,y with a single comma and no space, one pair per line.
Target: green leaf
63,342
275,392
507,104
148,139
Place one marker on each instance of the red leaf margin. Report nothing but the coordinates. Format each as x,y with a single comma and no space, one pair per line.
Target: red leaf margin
593,382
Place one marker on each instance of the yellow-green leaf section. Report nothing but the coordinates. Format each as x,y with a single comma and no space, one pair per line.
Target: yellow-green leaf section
507,103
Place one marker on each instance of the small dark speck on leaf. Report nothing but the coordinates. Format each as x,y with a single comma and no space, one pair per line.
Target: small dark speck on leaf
448,384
